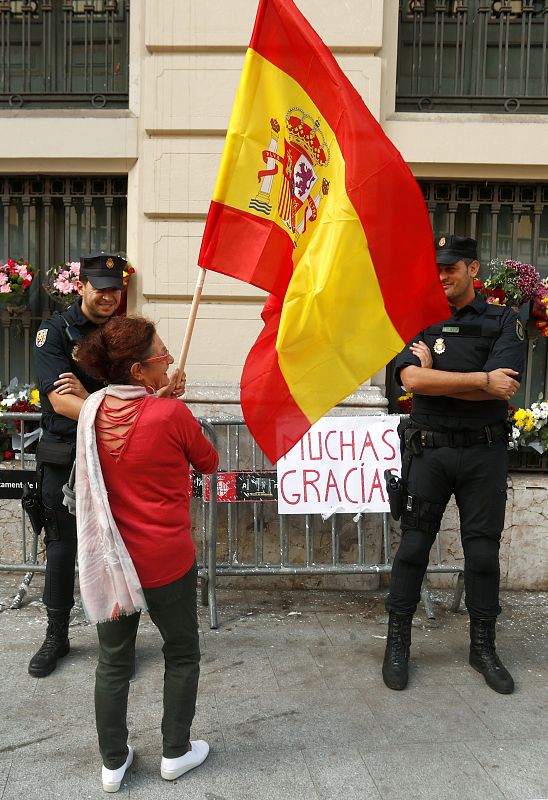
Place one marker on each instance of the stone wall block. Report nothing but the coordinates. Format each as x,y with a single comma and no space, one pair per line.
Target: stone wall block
171,247
223,335
179,176
196,92
183,24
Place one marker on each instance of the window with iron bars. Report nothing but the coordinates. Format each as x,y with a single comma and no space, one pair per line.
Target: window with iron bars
473,56
47,221
64,53
509,220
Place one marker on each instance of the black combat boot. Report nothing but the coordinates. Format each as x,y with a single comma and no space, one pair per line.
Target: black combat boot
484,658
396,656
56,644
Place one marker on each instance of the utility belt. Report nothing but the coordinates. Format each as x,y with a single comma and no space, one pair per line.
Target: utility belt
415,439
418,512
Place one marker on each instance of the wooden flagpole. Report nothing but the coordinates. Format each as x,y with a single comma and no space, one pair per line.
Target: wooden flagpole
192,318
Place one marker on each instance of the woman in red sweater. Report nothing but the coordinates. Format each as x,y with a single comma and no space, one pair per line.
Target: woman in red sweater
136,525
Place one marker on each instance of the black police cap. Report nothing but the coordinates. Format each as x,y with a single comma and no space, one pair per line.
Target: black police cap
450,249
103,271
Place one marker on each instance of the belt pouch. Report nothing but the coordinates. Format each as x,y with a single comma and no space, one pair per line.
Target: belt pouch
60,453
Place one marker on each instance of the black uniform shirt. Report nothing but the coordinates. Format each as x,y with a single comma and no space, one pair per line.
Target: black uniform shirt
476,338
53,348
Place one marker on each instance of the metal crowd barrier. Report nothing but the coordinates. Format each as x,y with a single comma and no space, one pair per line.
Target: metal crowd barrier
240,533
29,554
29,550
251,538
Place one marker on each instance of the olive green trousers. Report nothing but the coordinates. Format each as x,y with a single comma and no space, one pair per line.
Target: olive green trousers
173,610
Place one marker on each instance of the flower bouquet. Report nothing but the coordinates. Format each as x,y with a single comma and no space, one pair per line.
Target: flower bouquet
61,281
530,426
405,403
128,272
540,311
15,279
16,398
511,283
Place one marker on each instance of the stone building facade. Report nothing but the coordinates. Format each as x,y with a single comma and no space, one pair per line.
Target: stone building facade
185,59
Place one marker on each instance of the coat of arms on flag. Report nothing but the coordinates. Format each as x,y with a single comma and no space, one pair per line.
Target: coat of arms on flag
300,190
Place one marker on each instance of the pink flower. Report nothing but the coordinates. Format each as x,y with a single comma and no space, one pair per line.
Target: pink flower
527,278
5,288
62,285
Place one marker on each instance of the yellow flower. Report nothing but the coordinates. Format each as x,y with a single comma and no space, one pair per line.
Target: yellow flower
34,398
520,417
406,396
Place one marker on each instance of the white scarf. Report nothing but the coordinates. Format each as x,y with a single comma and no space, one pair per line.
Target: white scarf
109,585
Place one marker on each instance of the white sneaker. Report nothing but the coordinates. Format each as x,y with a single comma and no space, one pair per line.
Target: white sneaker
112,778
173,768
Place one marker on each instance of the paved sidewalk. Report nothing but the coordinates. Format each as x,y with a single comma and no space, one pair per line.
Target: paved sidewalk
292,703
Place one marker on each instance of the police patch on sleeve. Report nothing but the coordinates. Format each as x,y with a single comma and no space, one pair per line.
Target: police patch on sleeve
41,337
520,333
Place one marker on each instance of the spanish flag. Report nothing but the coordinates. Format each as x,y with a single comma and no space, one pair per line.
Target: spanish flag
314,205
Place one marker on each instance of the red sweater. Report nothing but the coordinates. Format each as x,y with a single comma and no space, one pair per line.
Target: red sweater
149,488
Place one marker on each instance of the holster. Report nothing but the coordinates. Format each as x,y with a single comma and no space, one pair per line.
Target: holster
395,492
415,512
31,500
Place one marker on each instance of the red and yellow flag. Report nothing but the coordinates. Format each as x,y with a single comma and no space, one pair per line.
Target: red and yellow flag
315,205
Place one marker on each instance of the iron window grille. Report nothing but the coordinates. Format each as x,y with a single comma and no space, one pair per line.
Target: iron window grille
473,56
49,220
64,53
509,220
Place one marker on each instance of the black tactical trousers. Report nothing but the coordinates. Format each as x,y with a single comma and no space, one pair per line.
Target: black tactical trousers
60,540
477,477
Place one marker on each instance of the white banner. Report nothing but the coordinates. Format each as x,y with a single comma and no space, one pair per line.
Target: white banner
338,466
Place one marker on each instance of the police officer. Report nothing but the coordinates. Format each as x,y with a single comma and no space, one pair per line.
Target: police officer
462,373
63,389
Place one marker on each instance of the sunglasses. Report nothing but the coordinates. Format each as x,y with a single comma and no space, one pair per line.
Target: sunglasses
166,357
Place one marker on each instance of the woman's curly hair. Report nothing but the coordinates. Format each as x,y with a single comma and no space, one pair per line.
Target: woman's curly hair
108,352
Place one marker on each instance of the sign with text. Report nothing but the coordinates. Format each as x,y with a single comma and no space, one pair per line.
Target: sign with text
12,482
338,466
244,486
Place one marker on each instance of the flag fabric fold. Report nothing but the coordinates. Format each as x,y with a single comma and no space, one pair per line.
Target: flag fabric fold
315,205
